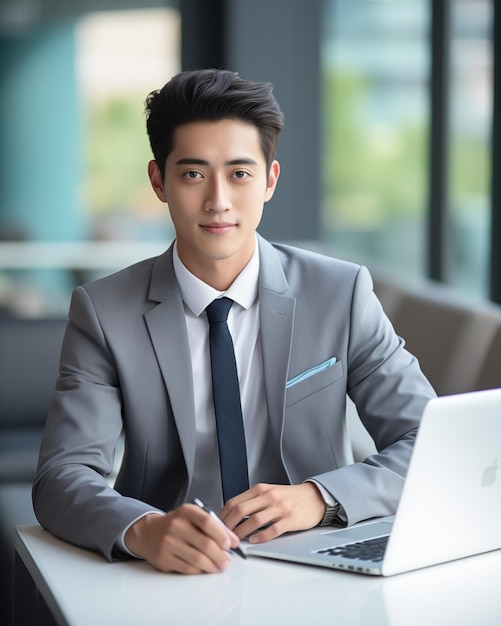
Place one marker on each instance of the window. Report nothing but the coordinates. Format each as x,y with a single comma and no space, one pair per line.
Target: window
468,216
75,199
121,56
375,66
376,69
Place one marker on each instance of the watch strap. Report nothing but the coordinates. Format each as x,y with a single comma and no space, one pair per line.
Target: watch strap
330,514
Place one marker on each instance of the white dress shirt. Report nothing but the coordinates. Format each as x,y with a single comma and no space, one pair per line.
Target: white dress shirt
244,327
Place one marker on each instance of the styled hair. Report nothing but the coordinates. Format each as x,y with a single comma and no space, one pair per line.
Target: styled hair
211,95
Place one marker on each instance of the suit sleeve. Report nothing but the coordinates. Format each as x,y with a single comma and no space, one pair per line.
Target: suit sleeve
71,495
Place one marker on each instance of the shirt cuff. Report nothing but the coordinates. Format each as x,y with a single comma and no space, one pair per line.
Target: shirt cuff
328,499
120,542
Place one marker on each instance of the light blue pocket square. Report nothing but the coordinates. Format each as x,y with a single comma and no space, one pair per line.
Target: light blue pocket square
311,372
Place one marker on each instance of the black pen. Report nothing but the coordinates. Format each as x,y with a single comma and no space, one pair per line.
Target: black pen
205,508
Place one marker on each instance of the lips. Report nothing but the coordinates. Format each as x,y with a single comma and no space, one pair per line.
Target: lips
218,228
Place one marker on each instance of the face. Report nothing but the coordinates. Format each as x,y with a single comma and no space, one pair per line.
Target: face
216,184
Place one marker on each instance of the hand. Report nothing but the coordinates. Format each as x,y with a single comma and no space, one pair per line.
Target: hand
274,508
186,540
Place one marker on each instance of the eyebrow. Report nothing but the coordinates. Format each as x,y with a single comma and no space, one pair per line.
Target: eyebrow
195,161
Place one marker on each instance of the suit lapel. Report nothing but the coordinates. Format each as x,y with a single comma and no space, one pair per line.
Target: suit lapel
277,320
167,327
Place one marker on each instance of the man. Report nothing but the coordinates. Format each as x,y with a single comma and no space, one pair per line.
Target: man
307,330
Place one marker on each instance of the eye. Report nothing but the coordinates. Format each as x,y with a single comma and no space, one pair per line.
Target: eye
192,175
240,174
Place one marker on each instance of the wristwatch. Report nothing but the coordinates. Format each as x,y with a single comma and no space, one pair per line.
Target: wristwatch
330,514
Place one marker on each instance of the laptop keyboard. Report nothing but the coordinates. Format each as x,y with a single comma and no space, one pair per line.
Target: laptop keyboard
368,550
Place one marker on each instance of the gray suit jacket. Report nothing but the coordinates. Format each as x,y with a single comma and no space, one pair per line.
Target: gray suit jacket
125,363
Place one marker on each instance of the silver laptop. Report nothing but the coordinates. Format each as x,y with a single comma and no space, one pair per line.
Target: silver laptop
450,506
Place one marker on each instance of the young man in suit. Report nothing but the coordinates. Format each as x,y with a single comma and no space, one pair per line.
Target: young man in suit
307,330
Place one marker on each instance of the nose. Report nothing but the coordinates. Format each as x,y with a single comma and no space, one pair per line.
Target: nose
218,197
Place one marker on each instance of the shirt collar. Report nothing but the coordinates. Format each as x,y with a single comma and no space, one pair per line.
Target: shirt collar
197,295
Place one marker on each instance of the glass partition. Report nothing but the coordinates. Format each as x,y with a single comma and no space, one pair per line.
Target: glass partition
75,199
469,145
375,65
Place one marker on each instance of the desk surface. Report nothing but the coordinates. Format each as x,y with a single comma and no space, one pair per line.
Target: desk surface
81,588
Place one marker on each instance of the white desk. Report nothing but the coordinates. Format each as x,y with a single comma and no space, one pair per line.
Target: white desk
82,589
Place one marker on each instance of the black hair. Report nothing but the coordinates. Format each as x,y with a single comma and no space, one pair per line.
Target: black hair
211,95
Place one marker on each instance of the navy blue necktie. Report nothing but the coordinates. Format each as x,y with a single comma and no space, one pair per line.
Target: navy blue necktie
226,393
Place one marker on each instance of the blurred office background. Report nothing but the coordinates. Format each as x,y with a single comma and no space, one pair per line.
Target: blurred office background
388,155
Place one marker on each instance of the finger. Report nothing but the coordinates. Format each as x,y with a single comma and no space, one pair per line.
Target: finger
271,531
263,514
207,557
189,560
196,552
242,507
214,527
213,538
231,514
193,537
210,526
253,526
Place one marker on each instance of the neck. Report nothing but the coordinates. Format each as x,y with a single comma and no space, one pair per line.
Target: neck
218,273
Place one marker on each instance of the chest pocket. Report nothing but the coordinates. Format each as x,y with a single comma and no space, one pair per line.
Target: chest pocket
313,383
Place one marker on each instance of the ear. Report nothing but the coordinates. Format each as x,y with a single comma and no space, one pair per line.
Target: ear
272,180
156,180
